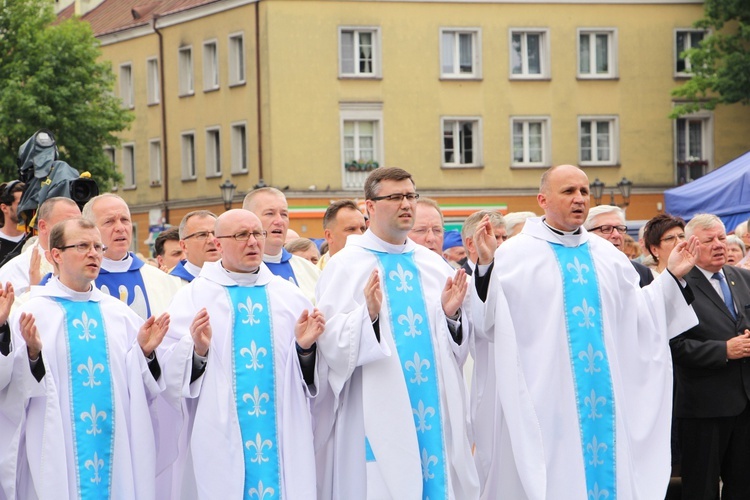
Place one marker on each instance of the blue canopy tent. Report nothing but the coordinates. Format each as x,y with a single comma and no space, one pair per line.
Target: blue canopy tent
725,192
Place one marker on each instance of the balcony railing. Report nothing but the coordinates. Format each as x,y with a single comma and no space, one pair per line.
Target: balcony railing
689,170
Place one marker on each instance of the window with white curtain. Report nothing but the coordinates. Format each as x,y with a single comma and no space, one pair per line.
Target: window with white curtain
213,152
239,148
685,39
128,166
210,66
693,147
152,81
530,139
360,141
188,156
597,53
126,86
529,53
236,59
154,160
362,149
359,52
462,144
460,53
597,138
185,71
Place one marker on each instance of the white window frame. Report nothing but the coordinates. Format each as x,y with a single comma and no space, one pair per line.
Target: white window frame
546,141
210,66
188,160
359,112
476,73
213,152
707,141
127,93
614,140
612,45
185,71
476,140
153,89
154,161
544,54
376,52
240,151
237,62
687,73
128,166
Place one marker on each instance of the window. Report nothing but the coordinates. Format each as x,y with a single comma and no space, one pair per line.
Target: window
152,81
359,52
693,147
597,139
361,142
460,53
128,166
154,161
529,53
185,68
126,86
109,152
213,152
530,137
236,59
188,156
462,142
210,66
684,40
597,53
239,148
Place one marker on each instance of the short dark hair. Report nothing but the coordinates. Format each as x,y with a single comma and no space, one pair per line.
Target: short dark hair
7,192
57,234
172,234
656,227
384,174
333,210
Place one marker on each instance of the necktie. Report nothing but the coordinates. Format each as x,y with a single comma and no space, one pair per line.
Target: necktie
725,291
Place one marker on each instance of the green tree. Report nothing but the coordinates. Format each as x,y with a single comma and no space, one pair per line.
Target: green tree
50,77
721,63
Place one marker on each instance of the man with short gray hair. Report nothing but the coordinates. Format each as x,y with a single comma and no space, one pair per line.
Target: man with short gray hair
198,242
467,235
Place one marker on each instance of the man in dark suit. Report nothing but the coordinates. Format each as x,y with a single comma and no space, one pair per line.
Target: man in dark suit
712,372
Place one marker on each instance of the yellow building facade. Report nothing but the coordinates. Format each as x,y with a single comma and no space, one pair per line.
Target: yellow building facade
474,98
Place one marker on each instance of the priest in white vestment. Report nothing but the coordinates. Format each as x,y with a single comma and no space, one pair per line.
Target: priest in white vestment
243,361
583,364
76,413
394,343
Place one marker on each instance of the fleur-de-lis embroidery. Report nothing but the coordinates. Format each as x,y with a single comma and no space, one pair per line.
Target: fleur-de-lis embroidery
422,413
587,312
593,401
259,444
417,365
591,356
578,269
93,417
86,324
412,320
255,354
258,399
250,310
595,447
597,494
427,460
90,368
96,464
403,276
261,491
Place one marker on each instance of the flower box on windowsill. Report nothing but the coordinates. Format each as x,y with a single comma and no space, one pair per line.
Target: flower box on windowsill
692,163
361,166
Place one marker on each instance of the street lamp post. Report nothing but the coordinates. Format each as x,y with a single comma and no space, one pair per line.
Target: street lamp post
624,186
227,193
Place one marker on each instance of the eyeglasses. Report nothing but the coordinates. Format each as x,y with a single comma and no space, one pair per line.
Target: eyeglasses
399,197
245,235
437,231
200,235
680,237
607,229
85,248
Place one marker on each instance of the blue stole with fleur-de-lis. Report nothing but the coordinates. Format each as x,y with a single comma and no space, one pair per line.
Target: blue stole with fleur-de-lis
255,390
592,379
411,333
92,402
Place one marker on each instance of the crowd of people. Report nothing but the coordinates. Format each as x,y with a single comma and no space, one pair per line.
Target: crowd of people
524,357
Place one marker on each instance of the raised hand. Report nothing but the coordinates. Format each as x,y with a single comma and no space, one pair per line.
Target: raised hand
309,327
35,266
7,296
454,292
152,333
683,256
484,241
373,295
200,330
31,336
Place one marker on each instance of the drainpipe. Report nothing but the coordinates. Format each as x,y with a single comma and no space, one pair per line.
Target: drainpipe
163,104
257,83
